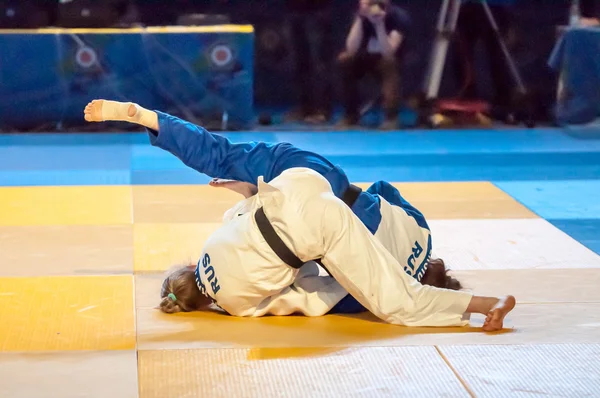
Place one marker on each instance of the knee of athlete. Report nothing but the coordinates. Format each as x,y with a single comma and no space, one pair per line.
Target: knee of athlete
179,292
437,275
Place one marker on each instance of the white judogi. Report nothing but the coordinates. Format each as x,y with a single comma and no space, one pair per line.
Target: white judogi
401,235
398,232
241,273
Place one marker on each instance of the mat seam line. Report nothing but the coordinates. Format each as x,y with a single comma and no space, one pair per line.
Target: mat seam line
133,281
519,201
456,374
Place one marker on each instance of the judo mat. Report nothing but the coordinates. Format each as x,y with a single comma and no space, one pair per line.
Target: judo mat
89,223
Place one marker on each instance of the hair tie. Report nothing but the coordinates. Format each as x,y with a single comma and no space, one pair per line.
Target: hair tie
172,296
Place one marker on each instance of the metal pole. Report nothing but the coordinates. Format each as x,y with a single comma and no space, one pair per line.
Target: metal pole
509,60
446,27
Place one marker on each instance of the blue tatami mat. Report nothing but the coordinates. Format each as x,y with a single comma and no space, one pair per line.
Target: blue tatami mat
416,155
65,157
17,178
168,177
556,175
557,200
439,142
587,232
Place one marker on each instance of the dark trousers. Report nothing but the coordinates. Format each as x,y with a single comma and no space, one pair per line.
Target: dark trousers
590,8
362,64
473,26
313,50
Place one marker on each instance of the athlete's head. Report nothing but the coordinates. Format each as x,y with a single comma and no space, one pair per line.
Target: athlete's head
437,275
180,293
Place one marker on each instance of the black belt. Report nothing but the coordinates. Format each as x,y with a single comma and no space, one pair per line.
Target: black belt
278,246
351,194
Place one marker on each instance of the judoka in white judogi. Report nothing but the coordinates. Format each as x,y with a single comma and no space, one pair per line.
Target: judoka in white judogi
370,245
243,275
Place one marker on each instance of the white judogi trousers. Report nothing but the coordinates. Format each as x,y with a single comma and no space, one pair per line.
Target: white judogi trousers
242,274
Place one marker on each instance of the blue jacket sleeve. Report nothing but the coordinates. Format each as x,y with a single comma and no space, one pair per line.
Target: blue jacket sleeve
217,157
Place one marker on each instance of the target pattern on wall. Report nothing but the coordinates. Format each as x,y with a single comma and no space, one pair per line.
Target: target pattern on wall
221,56
86,57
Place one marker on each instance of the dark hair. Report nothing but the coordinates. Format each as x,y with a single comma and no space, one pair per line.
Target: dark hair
179,292
437,275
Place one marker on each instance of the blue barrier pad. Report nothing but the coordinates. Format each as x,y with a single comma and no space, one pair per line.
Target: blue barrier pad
196,71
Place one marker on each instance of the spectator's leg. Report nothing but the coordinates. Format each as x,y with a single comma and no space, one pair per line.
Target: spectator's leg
303,66
467,35
389,69
353,68
324,63
500,73
589,8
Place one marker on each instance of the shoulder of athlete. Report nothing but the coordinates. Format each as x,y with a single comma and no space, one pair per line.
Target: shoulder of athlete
242,207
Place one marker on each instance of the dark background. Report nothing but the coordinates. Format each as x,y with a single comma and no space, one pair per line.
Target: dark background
532,38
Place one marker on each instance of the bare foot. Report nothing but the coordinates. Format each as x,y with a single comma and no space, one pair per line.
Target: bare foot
495,317
115,111
93,111
243,188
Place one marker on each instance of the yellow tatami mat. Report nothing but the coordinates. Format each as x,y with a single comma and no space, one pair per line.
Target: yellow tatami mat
461,200
182,203
550,312
528,324
159,247
65,205
81,270
66,250
67,313
464,200
90,374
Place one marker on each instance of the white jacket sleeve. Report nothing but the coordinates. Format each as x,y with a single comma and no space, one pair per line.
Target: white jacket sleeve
311,294
361,264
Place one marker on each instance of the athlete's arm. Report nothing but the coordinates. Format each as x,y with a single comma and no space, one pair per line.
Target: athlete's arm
309,295
212,154
216,156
